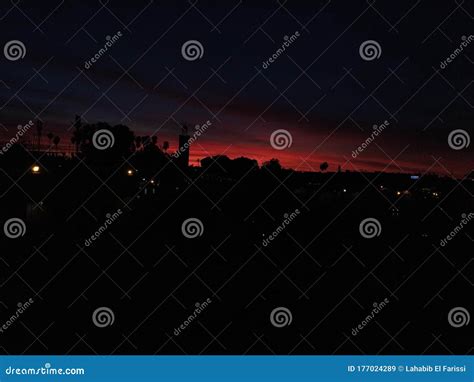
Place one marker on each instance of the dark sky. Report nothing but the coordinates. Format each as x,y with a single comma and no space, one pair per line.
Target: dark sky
319,89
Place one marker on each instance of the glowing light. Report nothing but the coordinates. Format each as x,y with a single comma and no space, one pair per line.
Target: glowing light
35,169
129,172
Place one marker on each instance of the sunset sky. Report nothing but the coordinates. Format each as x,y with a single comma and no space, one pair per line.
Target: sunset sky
319,89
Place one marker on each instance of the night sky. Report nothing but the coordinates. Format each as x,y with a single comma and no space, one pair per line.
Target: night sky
319,89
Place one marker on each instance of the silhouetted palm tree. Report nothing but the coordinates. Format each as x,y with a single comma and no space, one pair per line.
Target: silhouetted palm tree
56,142
50,137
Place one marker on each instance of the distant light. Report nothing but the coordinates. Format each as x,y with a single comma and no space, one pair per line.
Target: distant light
344,190
399,193
414,177
152,181
35,169
435,194
129,172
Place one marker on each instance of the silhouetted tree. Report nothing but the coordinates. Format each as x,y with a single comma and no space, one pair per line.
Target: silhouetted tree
56,140
323,166
123,142
50,137
273,165
39,130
